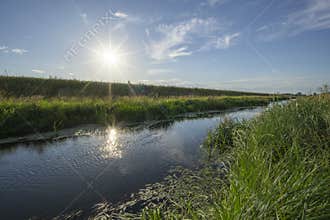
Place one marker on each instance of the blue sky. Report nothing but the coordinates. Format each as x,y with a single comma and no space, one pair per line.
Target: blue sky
259,45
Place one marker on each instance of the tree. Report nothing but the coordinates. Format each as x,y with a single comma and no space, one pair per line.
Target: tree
324,89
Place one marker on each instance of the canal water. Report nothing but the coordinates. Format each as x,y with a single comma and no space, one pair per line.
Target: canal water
106,164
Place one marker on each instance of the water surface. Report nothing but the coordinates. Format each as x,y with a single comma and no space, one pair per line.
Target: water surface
52,178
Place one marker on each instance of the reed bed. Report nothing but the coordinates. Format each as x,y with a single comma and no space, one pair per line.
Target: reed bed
19,116
273,167
11,86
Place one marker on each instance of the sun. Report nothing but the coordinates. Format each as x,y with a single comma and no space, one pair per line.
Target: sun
109,57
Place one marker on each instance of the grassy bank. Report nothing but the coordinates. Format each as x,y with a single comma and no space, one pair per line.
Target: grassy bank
273,167
27,86
24,116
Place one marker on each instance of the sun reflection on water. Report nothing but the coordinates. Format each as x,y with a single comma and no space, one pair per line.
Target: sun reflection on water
112,148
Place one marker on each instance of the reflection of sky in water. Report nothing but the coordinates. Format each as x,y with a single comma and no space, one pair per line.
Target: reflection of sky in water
122,160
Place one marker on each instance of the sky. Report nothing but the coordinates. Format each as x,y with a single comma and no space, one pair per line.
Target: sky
255,45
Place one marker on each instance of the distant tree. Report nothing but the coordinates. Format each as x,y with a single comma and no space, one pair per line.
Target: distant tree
324,89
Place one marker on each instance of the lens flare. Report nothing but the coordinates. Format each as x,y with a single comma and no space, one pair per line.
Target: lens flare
109,57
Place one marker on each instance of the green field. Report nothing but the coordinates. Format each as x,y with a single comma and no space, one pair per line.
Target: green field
33,115
273,167
27,86
33,105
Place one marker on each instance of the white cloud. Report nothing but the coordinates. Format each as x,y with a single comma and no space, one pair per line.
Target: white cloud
120,14
213,3
122,19
180,39
159,71
262,28
3,47
38,71
315,15
19,51
225,41
182,51
6,49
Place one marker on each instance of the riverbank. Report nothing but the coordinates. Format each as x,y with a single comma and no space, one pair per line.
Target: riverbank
32,115
128,158
275,166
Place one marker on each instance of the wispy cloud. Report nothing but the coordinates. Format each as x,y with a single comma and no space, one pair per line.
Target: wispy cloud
227,40
316,16
182,51
120,14
313,16
128,18
122,19
181,39
19,51
159,71
222,42
38,71
213,3
3,47
84,18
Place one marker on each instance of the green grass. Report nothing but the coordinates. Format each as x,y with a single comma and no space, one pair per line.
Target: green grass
280,165
273,167
27,86
31,115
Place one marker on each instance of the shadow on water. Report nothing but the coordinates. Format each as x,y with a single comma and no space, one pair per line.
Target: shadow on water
54,177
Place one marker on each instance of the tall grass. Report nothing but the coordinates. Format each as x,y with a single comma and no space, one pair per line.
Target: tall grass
27,86
280,165
30,115
273,167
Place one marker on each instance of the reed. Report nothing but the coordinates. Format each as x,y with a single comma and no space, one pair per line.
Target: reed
273,167
19,116
11,86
